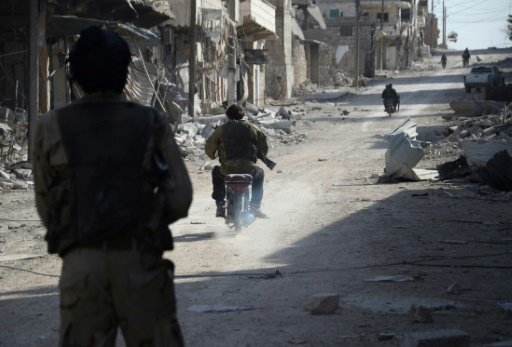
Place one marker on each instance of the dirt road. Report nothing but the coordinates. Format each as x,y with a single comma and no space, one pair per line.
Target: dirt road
331,227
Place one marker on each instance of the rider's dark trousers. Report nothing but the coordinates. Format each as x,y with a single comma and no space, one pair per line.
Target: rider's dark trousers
219,188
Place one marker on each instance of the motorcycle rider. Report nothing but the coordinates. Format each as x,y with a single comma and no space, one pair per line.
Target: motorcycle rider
390,93
443,60
237,144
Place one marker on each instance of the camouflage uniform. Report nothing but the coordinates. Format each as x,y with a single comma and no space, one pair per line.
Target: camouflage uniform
116,279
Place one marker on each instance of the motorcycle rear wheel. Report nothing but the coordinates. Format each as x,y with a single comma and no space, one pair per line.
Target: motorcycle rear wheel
238,206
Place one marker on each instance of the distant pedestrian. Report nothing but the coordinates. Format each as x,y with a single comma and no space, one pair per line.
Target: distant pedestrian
465,58
109,179
443,60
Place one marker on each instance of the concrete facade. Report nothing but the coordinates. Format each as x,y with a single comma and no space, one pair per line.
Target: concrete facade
279,73
402,38
300,63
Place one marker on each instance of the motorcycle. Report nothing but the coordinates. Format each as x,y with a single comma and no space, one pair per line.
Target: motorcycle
389,106
238,197
443,63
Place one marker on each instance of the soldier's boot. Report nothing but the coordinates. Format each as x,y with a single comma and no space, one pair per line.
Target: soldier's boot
221,209
255,209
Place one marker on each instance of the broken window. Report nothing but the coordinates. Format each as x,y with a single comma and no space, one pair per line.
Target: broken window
346,30
385,17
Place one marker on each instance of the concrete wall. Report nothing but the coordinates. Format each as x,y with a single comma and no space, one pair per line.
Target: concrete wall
279,73
333,38
300,63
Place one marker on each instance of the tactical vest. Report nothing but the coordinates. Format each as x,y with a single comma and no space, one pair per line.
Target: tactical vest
105,143
236,141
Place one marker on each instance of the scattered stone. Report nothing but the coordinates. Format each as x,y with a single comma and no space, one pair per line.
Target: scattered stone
207,166
20,185
297,341
420,314
325,303
218,308
390,278
507,343
454,288
437,338
22,174
507,307
385,336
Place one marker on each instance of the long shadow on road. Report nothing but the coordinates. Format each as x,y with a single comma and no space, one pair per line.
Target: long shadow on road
425,238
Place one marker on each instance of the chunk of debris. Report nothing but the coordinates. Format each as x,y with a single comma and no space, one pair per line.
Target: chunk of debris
404,152
325,303
390,278
507,307
420,314
437,338
475,108
491,160
453,169
454,288
218,308
507,343
385,336
11,257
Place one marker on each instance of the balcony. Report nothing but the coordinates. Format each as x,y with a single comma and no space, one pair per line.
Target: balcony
257,20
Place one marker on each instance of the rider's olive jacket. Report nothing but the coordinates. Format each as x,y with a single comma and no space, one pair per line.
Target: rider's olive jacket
235,143
94,172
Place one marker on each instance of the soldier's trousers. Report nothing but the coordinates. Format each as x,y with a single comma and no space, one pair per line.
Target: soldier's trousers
101,290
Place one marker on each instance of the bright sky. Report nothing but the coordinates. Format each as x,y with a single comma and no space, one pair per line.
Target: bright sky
479,23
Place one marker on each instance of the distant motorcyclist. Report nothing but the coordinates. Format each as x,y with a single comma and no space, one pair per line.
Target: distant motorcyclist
443,60
465,58
389,93
237,144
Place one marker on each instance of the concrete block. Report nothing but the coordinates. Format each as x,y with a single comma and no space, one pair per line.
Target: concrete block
325,303
437,338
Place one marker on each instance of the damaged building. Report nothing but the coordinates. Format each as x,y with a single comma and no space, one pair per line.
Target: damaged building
384,35
37,37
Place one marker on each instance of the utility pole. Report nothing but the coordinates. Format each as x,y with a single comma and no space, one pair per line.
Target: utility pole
444,26
231,97
33,70
357,45
381,55
433,42
192,59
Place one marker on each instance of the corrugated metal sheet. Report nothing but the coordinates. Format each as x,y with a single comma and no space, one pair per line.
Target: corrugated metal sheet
140,83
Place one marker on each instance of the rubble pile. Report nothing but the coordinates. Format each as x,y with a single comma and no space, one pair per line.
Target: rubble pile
190,135
424,66
13,149
482,146
485,147
277,125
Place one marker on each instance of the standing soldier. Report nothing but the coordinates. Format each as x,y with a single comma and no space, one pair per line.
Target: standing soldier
109,179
